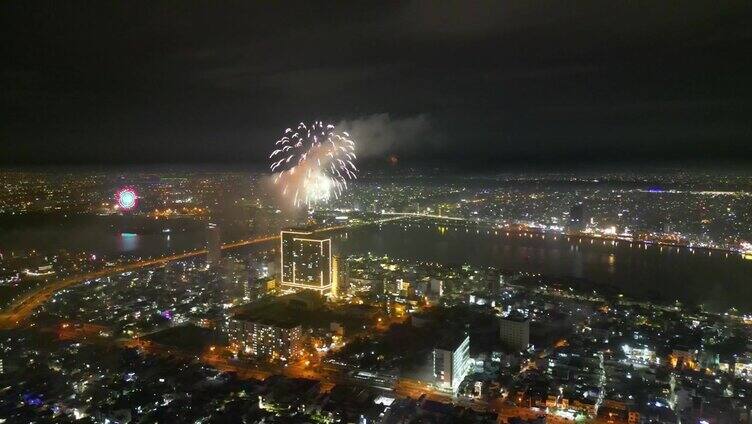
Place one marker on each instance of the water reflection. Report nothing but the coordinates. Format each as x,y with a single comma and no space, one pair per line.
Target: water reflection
128,242
716,280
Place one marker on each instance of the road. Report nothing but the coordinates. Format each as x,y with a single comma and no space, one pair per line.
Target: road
20,310
423,215
23,308
328,377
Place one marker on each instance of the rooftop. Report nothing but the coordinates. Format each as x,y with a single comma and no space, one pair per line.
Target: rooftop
515,318
450,341
276,314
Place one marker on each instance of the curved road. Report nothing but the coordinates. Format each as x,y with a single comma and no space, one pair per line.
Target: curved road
20,310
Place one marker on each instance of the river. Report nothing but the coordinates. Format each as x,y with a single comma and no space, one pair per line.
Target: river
716,279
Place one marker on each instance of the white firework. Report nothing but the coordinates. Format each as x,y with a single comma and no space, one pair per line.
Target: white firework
313,162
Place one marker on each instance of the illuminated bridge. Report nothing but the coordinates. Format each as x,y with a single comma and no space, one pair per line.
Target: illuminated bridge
21,309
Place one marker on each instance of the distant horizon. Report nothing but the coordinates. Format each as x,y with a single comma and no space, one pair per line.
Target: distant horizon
465,166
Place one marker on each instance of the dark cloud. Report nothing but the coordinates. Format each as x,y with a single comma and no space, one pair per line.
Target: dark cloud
505,81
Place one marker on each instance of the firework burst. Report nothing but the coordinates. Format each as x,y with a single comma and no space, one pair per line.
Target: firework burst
126,198
313,162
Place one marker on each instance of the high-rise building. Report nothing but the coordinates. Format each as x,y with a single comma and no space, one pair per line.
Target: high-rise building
305,261
494,282
451,362
577,220
213,244
515,332
269,340
434,291
436,287
340,275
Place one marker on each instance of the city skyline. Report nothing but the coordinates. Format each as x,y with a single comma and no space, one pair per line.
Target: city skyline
333,212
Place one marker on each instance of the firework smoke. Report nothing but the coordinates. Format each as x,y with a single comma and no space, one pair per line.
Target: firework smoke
313,162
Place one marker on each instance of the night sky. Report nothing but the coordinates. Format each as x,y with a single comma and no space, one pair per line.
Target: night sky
500,82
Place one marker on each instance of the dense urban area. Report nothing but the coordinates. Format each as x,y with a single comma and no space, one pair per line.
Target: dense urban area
211,302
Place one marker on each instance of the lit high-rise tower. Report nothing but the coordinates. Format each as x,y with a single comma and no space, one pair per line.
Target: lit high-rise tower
340,277
305,261
213,244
